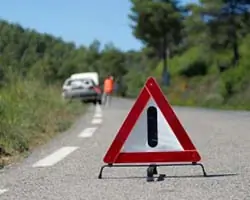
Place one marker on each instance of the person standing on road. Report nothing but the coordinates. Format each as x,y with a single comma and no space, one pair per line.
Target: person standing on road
108,89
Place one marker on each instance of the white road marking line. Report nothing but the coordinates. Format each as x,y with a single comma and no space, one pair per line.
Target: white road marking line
96,121
98,115
87,132
3,191
55,157
98,109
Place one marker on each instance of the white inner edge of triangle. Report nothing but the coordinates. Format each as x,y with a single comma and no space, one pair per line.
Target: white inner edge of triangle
137,139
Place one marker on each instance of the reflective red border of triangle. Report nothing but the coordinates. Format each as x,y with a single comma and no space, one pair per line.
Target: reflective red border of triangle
151,88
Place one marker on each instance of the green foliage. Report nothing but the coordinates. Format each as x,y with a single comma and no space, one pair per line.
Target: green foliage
135,81
191,63
213,56
31,113
198,67
52,60
158,25
155,20
234,80
228,22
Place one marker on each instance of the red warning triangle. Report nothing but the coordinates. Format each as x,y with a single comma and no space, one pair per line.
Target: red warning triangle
151,133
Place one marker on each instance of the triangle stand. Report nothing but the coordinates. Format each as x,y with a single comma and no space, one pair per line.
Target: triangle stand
152,169
158,137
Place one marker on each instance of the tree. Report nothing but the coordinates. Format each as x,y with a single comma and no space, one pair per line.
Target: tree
194,31
158,25
112,62
228,21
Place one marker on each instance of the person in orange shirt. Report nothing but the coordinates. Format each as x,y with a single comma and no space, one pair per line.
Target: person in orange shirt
108,89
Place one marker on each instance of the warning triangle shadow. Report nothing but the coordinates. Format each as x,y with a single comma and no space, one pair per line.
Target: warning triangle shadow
201,176
163,176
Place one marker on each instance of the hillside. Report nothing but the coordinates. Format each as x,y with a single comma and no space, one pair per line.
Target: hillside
204,47
197,79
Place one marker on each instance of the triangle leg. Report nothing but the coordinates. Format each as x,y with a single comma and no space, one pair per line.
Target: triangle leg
151,171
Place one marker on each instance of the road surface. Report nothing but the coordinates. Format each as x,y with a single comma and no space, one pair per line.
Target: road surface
67,167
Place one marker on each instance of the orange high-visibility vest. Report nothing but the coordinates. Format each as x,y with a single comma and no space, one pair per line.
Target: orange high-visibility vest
108,85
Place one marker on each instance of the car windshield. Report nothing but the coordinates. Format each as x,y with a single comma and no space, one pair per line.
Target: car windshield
81,83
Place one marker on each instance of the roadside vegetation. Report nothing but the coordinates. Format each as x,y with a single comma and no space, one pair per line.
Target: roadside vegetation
204,48
31,112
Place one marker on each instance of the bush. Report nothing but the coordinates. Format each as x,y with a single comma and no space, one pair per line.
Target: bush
213,100
134,82
30,113
233,81
197,68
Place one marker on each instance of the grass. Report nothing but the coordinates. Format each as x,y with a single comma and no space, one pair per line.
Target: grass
206,92
30,114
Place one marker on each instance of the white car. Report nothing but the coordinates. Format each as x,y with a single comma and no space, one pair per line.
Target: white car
83,86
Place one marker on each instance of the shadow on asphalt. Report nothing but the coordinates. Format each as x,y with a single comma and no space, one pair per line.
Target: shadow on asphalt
163,176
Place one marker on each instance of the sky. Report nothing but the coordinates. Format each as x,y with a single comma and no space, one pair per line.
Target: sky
78,21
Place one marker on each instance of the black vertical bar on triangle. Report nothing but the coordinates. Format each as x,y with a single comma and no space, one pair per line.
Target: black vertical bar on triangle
152,126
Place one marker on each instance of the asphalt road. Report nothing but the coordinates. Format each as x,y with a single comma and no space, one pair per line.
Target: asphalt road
68,166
